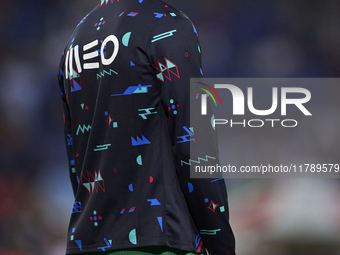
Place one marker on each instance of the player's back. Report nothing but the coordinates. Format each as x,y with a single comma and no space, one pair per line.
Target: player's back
120,141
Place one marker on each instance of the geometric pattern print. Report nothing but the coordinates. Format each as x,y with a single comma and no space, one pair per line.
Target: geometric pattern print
106,1
166,69
91,183
75,81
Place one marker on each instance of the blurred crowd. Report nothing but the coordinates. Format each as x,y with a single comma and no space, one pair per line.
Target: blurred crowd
239,38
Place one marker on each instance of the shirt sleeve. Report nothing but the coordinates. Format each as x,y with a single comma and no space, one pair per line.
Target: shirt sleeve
67,125
175,54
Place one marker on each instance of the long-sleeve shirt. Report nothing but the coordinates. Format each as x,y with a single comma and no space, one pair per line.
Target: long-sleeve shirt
124,80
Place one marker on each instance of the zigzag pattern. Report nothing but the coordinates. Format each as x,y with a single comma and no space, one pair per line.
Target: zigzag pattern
185,137
198,161
69,139
102,74
139,141
83,129
147,112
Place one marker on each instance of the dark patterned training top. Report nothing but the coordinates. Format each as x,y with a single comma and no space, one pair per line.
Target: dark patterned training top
124,80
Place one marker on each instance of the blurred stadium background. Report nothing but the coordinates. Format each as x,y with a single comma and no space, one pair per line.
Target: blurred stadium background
239,38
